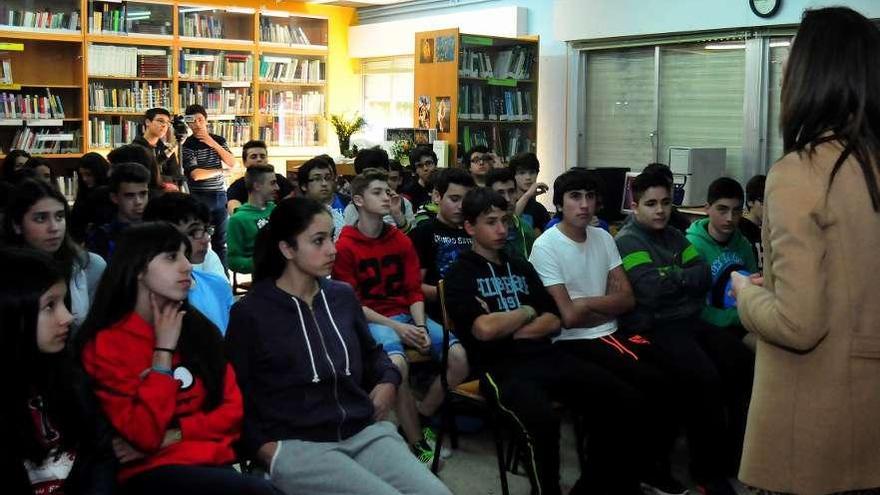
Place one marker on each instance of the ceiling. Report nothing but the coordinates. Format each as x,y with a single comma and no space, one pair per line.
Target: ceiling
357,3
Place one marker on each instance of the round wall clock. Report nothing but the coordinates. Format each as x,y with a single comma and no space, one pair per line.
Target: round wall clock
765,8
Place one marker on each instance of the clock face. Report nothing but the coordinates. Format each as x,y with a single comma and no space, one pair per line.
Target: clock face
764,8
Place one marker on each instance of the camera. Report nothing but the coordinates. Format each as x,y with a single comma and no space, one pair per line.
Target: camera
180,127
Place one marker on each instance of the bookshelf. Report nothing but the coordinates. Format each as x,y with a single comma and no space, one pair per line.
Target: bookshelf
111,60
487,85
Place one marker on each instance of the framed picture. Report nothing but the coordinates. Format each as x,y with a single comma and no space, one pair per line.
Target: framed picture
426,51
444,107
444,49
424,107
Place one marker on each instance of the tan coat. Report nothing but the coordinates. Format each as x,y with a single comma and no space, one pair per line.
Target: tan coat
814,421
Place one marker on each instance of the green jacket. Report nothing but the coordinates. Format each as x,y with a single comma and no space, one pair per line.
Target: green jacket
242,233
520,238
668,276
722,260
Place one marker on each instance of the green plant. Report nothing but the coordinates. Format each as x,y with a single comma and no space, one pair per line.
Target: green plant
400,149
344,128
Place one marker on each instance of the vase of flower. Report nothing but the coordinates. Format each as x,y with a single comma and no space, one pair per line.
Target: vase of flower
344,128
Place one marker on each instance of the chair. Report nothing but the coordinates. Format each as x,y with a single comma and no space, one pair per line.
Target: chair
239,288
467,395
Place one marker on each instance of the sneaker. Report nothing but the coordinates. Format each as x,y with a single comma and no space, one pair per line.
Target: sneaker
662,483
424,453
431,439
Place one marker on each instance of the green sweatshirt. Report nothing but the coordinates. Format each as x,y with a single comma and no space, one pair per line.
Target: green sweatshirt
722,259
243,227
520,238
668,276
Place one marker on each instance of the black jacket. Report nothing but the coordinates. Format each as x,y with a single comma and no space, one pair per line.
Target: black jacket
304,375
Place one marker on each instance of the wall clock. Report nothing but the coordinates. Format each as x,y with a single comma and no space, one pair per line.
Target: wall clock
765,8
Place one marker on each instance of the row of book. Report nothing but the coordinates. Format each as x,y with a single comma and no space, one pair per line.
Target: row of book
233,101
202,26
43,141
513,63
138,96
235,132
105,133
109,18
282,33
5,70
128,61
40,19
299,132
219,65
506,142
19,106
291,103
289,69
479,102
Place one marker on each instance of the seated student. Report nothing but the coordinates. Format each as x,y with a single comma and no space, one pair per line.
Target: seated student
254,153
423,161
581,269
160,372
714,369
135,153
129,191
724,248
380,262
37,217
209,292
506,319
440,241
317,179
677,219
525,168
43,169
478,161
317,388
520,235
93,174
428,210
13,162
53,437
752,220
401,214
250,217
341,199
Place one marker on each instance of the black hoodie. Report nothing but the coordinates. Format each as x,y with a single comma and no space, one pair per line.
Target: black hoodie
304,375
503,287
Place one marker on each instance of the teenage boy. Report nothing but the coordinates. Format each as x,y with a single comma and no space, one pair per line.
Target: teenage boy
581,269
478,161
520,235
316,180
210,293
380,262
401,214
525,167
712,368
428,210
719,242
206,161
129,187
677,219
505,319
441,240
254,153
423,160
252,216
753,218
156,124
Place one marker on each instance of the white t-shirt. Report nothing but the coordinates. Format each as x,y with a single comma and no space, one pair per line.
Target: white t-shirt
582,266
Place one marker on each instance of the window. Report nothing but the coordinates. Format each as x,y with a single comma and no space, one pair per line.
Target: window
388,95
779,49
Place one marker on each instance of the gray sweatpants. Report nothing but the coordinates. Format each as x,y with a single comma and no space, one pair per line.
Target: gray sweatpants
376,461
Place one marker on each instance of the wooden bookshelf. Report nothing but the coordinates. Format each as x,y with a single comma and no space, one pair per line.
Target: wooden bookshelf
445,76
66,53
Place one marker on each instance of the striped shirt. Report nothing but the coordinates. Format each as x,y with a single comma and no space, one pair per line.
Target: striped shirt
197,154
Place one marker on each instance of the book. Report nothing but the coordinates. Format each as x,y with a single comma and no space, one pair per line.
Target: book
45,140
217,101
133,96
24,106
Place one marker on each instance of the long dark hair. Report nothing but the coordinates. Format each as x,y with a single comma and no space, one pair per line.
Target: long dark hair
831,90
8,172
200,344
99,167
290,218
136,153
24,196
25,276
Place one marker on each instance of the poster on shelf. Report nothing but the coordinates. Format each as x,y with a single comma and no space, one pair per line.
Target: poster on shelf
443,109
444,49
426,52
424,107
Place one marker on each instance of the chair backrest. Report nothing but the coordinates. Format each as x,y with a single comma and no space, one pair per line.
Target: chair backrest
441,295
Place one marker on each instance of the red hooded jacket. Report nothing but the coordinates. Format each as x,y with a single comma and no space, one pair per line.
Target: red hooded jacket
142,404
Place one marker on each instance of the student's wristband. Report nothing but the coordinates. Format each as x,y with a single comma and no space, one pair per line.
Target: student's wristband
423,326
164,371
163,349
531,314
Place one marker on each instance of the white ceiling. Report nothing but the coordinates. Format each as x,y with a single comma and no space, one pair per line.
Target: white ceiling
356,3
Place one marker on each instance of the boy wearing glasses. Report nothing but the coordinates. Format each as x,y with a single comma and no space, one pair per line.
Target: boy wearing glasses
210,293
156,124
423,161
317,181
479,161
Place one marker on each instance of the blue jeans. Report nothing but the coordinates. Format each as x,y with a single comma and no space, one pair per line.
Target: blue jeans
216,203
391,343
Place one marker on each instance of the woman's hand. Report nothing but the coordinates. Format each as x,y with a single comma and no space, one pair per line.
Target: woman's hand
738,282
167,321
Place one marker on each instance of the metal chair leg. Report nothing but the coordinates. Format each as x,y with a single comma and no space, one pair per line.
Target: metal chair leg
499,454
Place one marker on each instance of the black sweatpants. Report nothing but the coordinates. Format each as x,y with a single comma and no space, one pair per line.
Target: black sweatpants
198,480
714,371
634,361
524,390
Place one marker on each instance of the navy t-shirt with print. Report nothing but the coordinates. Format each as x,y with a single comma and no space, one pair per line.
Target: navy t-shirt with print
438,246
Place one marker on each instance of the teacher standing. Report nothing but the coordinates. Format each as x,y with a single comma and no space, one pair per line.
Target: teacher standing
814,421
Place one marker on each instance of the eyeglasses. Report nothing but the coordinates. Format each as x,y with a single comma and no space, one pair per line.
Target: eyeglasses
425,163
200,233
481,158
322,178
162,121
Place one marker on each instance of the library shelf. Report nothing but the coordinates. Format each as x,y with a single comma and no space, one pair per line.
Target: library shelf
285,49
216,44
131,39
41,34
129,78
278,84
52,155
492,121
